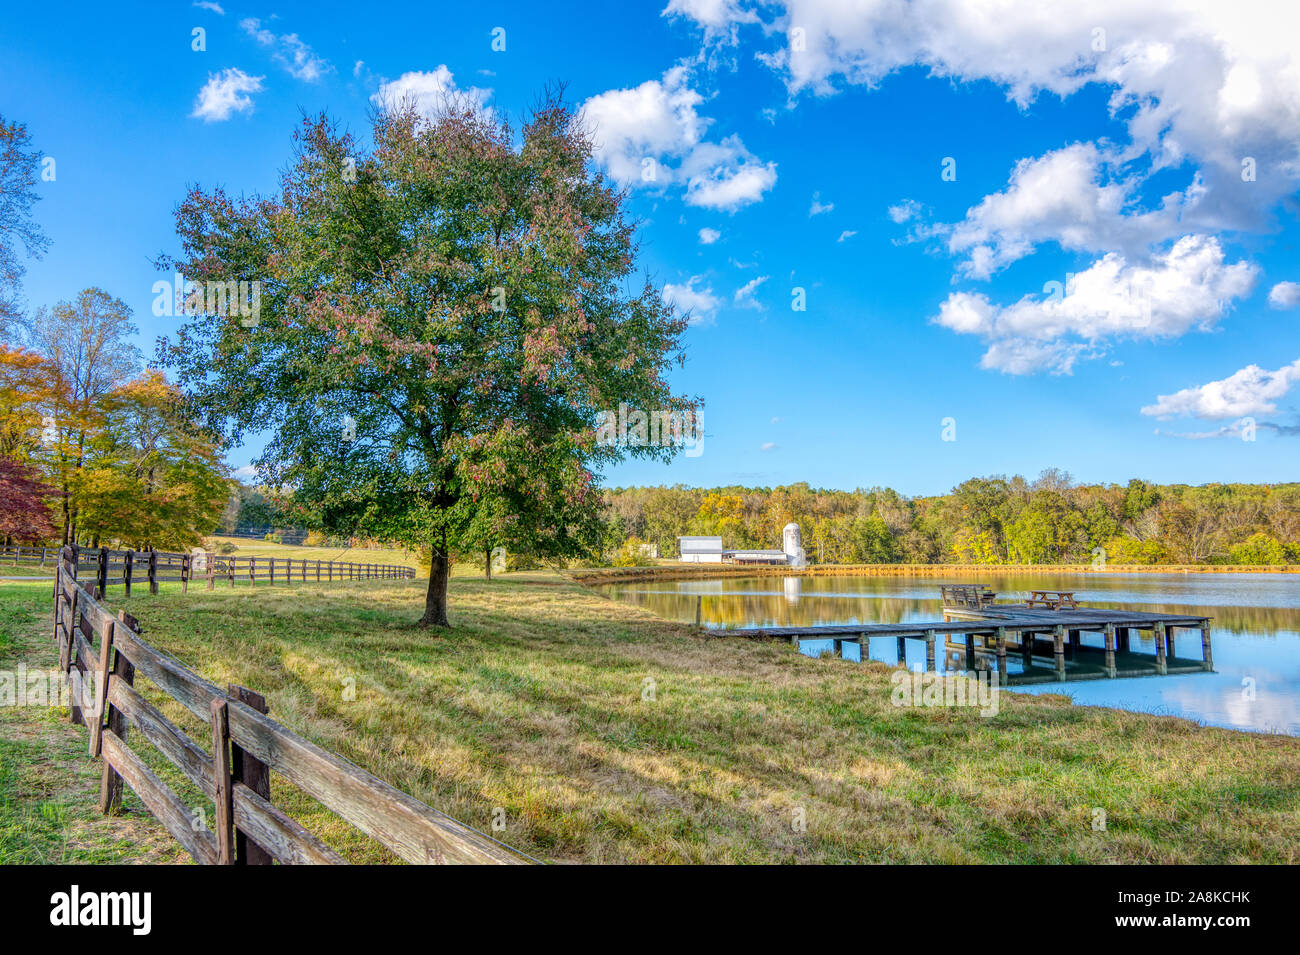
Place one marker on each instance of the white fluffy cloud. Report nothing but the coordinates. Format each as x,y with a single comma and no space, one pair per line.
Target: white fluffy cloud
818,207
709,236
226,93
429,92
744,297
1213,82
905,210
1250,391
1209,92
1188,287
1284,295
1066,197
700,303
640,133
289,51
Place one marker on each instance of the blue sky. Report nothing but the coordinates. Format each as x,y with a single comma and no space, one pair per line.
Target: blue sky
810,137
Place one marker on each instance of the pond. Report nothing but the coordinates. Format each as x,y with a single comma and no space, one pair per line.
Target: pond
1255,630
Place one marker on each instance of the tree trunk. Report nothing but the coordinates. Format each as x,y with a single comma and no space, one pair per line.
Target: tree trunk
435,601
487,564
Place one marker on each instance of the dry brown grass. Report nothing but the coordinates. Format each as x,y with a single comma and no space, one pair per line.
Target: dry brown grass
533,702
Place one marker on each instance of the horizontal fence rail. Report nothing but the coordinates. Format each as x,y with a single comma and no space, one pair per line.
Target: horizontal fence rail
123,568
246,746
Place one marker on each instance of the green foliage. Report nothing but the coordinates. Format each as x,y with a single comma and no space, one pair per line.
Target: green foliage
633,553
1260,548
444,317
995,520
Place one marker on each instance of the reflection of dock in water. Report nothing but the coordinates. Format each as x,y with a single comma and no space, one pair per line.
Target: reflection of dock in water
1043,636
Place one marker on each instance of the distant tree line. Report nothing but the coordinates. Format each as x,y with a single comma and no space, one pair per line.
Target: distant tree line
984,520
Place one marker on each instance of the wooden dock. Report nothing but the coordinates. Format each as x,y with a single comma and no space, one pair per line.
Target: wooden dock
1047,642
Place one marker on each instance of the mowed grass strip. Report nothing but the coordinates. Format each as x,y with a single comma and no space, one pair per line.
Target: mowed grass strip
599,733
49,786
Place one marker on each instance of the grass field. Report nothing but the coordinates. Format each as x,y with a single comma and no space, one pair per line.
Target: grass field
603,734
49,787
255,548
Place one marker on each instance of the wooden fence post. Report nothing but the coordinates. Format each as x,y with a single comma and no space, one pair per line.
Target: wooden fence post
110,783
58,597
101,689
153,571
253,773
128,561
219,709
318,572
75,662
212,570
272,583
185,573
252,572
101,579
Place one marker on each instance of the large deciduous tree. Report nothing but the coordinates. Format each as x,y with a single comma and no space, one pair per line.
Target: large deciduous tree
151,478
87,346
444,317
19,165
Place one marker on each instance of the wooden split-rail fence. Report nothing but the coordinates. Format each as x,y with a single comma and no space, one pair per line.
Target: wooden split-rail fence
152,567
245,749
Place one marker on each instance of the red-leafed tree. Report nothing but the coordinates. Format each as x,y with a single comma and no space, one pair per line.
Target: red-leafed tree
24,513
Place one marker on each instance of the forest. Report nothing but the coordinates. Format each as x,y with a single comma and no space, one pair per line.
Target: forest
984,520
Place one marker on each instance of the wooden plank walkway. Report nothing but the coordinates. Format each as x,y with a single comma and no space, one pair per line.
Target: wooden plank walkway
1000,630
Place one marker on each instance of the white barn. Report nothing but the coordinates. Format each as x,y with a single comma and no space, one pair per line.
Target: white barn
700,550
709,550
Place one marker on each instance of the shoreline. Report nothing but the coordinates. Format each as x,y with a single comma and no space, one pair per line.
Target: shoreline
605,575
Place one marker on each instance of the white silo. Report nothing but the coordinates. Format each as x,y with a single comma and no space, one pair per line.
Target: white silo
792,544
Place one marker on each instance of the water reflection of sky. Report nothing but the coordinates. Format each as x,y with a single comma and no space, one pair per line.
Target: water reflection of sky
1256,630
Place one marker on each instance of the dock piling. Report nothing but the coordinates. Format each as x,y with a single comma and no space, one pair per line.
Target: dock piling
990,629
